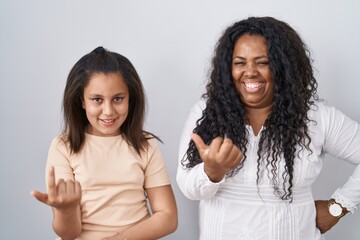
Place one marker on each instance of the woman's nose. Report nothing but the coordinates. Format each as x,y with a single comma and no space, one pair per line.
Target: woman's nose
250,70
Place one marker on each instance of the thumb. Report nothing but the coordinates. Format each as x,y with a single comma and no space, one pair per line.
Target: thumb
199,143
42,197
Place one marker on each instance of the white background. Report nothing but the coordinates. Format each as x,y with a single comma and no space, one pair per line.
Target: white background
170,44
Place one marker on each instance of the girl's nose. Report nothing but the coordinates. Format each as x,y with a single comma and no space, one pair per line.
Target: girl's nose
108,108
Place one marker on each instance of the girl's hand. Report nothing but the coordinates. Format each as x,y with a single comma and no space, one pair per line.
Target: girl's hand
117,236
220,157
64,195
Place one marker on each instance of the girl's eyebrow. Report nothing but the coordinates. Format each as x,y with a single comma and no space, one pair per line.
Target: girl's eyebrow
95,95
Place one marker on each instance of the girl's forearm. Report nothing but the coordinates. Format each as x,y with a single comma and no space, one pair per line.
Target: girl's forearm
158,225
67,223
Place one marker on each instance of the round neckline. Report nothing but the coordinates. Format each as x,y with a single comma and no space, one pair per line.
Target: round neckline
88,135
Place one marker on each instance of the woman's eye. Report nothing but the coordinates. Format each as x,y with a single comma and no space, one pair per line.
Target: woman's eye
239,63
263,63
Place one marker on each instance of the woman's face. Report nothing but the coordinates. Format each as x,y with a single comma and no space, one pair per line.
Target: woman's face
251,71
106,103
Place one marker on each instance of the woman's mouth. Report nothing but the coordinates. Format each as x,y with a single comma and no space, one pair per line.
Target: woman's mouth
253,85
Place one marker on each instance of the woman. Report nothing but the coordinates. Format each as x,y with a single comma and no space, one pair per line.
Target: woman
258,137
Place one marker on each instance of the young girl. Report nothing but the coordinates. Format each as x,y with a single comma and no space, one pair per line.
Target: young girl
103,167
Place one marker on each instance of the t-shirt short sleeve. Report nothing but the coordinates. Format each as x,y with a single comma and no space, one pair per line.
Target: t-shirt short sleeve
59,158
155,171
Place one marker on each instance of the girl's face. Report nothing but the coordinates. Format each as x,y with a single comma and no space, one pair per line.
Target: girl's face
106,103
251,71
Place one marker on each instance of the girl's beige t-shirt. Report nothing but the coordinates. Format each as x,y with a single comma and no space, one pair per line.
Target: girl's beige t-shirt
113,179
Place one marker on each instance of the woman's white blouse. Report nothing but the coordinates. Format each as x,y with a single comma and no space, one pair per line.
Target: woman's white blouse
237,208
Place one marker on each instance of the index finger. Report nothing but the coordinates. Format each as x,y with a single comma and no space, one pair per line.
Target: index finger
51,186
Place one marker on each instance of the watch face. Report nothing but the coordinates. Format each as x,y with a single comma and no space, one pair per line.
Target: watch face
335,209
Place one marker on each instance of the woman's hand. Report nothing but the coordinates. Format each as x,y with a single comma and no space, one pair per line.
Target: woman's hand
64,195
220,157
324,220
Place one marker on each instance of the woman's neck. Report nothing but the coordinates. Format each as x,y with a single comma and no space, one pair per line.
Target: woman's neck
257,117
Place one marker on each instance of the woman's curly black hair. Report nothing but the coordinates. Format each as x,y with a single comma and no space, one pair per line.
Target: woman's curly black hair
295,90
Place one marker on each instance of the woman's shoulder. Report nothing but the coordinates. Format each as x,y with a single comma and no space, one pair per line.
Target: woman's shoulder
326,116
321,109
200,104
198,107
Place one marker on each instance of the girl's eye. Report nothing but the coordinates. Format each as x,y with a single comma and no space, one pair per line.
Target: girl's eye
118,99
96,100
239,63
263,63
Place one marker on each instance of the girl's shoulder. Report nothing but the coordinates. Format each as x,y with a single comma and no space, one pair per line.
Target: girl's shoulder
60,144
152,140
152,146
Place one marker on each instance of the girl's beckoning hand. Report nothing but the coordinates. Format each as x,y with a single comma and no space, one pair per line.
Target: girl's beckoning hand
63,195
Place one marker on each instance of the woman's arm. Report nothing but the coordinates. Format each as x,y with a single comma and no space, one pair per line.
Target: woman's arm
163,221
341,140
193,183
203,180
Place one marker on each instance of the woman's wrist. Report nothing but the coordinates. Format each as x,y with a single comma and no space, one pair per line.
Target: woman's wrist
214,176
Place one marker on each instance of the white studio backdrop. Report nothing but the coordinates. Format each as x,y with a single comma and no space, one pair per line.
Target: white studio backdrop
170,44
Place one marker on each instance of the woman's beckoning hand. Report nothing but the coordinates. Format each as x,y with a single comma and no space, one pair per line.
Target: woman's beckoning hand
220,157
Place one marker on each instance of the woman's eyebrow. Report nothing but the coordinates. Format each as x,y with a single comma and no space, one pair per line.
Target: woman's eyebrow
257,57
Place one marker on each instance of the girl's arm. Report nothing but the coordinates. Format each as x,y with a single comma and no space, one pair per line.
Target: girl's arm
67,222
64,198
163,221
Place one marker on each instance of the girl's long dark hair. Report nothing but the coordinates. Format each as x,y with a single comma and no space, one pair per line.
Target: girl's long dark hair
295,90
101,60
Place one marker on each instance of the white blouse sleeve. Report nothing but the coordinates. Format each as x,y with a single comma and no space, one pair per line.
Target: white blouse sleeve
194,183
342,140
